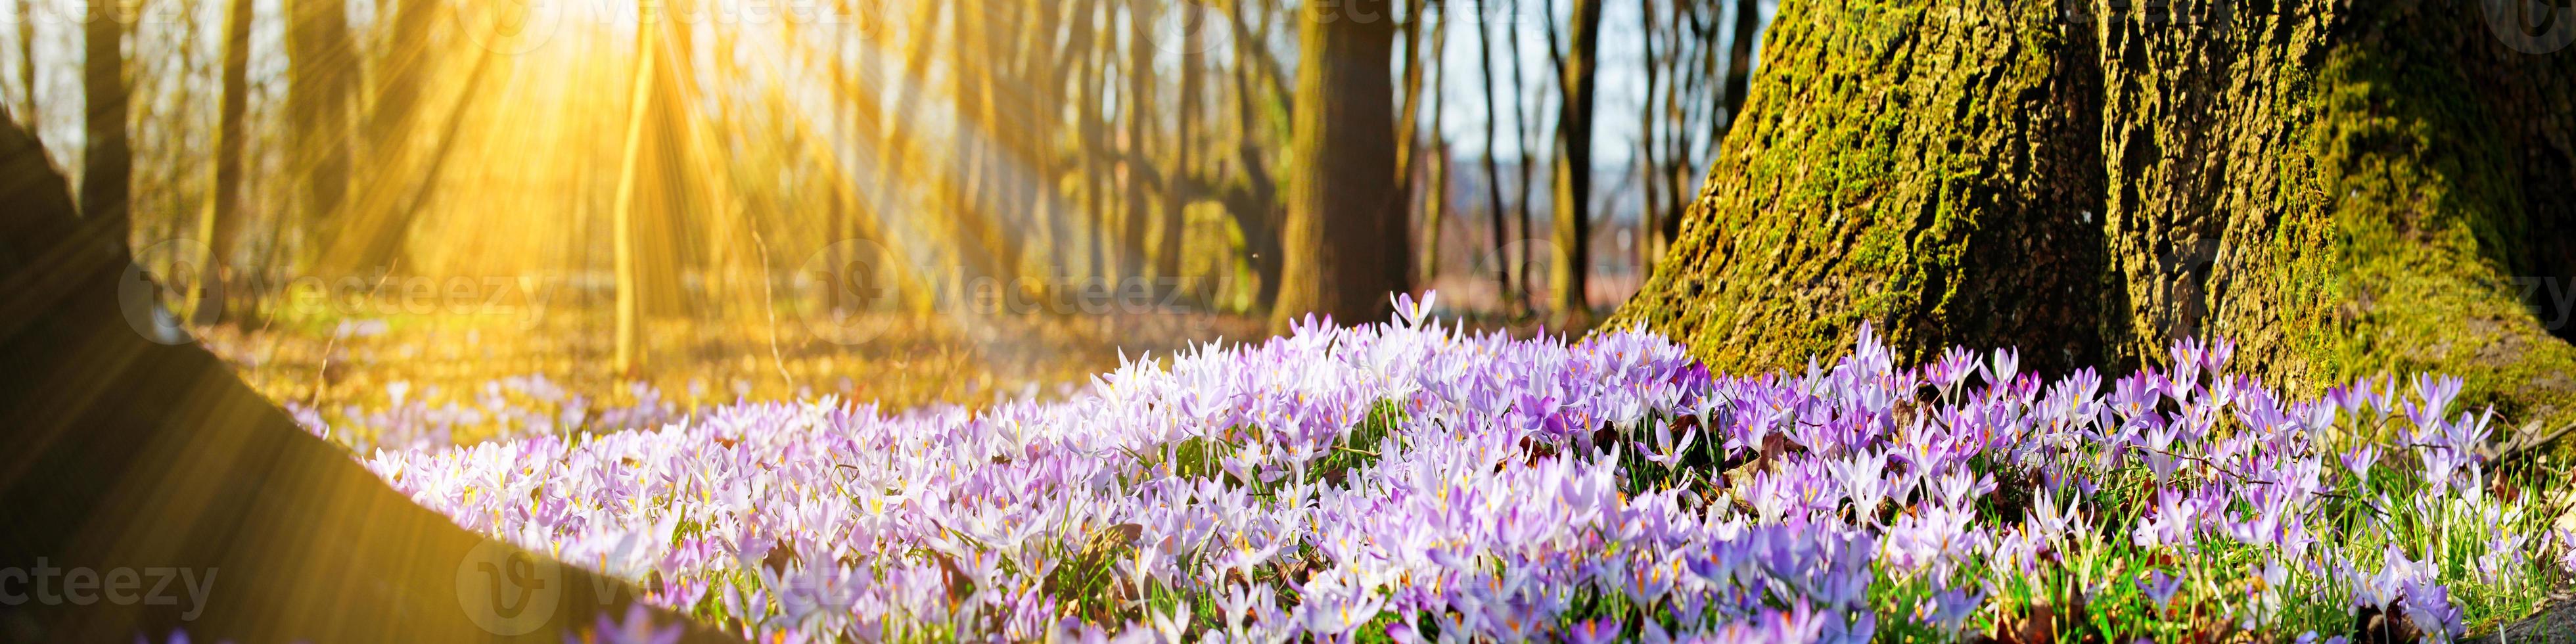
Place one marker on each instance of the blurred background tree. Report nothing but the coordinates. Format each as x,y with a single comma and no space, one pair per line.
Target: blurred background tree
678,184
992,139
673,182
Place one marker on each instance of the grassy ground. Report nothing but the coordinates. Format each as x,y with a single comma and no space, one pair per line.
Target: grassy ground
481,376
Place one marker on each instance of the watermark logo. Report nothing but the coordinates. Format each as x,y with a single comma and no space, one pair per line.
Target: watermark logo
861,291
2531,26
2551,299
45,584
185,267
508,591
1190,27
2184,271
186,275
509,27
1479,12
1532,262
856,291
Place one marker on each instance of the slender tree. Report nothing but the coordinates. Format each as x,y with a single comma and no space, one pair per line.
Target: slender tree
371,230
107,167
1435,196
1500,228
1650,239
221,224
27,70
322,67
1092,130
1408,142
1524,132
1739,57
1572,213
1138,107
970,71
1252,198
628,356
1346,242
1185,142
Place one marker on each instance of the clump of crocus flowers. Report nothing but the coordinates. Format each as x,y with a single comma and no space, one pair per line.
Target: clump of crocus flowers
1413,481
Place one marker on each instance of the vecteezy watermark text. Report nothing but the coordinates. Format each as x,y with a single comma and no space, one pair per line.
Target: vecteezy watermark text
48,585
858,289
2552,299
2531,26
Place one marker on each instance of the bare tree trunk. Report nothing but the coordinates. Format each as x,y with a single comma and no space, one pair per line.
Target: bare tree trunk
27,71
322,66
895,138
1094,132
1525,129
1650,214
1345,240
1573,187
1687,81
1254,202
1184,158
1501,229
108,164
639,107
1408,142
1435,199
1053,69
1137,107
221,225
1739,58
841,205
968,198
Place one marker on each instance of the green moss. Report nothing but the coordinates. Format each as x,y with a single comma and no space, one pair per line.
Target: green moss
2420,204
2339,189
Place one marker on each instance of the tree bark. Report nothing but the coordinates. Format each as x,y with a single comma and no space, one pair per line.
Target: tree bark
1834,204
370,233
1650,219
1435,191
1524,129
1739,58
1095,184
1408,117
1345,241
27,70
221,226
1572,213
1167,258
107,165
628,356
1137,107
1505,286
322,67
1254,201
2344,190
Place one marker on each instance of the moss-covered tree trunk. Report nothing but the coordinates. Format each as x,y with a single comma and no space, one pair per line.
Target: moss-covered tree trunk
2344,189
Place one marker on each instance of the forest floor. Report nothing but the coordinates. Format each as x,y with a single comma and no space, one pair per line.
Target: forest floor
431,379
445,377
